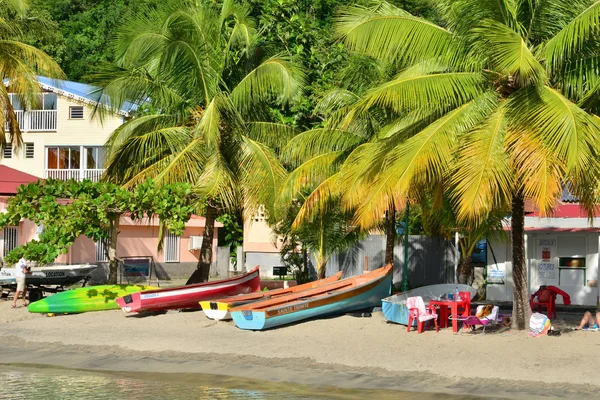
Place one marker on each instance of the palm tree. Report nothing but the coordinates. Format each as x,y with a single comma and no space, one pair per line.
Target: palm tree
205,91
494,106
19,65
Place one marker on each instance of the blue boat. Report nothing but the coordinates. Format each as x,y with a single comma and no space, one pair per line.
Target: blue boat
350,294
394,307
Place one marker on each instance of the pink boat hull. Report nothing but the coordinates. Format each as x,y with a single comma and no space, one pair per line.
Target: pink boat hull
187,297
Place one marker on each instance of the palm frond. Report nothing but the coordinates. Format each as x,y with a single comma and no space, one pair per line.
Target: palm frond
318,199
565,129
261,175
272,134
391,34
508,53
274,79
315,142
482,179
573,37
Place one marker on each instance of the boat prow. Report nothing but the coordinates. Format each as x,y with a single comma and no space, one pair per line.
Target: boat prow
218,309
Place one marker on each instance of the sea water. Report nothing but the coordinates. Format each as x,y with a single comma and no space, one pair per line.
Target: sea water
48,383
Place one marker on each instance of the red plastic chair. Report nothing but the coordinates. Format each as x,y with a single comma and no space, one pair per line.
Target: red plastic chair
467,308
417,311
544,298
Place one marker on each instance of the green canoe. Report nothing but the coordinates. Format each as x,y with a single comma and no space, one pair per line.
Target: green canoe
91,298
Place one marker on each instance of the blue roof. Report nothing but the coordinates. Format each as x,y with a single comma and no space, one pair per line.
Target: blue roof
84,91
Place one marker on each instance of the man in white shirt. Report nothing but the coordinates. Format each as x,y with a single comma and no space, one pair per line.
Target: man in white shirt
21,271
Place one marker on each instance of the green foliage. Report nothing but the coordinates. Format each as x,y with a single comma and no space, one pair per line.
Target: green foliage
232,234
71,209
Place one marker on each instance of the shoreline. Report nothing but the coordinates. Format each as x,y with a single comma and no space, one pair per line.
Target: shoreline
298,372
344,352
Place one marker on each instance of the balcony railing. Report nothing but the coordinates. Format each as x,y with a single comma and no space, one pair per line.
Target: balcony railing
77,174
36,120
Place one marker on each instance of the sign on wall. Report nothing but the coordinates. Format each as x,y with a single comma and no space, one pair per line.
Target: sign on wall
495,275
546,264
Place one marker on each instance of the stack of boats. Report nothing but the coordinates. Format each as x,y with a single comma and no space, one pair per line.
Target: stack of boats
236,298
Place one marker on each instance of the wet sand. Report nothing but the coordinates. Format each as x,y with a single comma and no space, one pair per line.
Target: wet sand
343,352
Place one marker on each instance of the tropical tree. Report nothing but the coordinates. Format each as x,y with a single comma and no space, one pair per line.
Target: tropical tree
19,65
70,209
206,89
494,105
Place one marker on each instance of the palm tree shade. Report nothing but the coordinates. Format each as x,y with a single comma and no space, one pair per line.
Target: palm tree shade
205,91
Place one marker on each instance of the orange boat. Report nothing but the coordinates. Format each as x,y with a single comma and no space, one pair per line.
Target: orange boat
219,309
346,295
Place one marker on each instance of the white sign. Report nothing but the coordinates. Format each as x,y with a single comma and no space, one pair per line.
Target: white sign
547,270
495,276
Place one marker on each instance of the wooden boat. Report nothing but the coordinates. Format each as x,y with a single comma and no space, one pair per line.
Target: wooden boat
91,298
219,309
394,307
61,275
189,296
350,294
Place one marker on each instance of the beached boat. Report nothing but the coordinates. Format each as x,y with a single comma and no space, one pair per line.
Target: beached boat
394,307
187,297
60,275
346,295
91,298
219,309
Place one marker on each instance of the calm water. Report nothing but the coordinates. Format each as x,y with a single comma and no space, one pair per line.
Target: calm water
48,383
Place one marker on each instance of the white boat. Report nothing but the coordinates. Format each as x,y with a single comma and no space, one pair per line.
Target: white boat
394,307
60,275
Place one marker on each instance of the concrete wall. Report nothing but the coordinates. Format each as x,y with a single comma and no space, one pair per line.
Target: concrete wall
431,260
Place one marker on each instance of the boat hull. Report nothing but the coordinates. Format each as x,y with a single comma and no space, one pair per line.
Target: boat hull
55,275
91,298
189,297
355,298
218,309
395,311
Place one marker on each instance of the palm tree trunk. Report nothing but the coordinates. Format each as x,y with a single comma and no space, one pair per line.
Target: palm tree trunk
202,272
322,269
390,236
113,261
465,270
521,310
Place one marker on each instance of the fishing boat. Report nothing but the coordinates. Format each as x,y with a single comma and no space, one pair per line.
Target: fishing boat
219,309
61,275
346,295
189,296
91,298
394,307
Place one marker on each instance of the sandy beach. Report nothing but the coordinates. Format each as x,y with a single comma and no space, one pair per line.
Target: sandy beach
344,352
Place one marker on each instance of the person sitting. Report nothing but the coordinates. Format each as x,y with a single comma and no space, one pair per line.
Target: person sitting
588,321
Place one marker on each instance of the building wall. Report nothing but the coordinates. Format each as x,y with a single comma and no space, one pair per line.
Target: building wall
544,269
76,132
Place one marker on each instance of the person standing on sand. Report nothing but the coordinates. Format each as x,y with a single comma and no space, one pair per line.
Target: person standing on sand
20,273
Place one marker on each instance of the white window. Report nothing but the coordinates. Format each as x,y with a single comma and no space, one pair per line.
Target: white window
11,239
101,246
47,101
8,150
29,150
172,245
76,112
63,157
94,157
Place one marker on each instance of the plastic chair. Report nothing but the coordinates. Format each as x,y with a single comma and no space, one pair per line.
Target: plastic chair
467,308
418,312
544,298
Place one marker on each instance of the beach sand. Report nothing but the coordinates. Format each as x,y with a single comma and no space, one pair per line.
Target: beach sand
345,352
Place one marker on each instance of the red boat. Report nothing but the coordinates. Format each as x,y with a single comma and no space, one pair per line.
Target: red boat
184,297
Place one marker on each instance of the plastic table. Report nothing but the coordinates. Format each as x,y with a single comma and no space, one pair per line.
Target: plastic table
453,305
